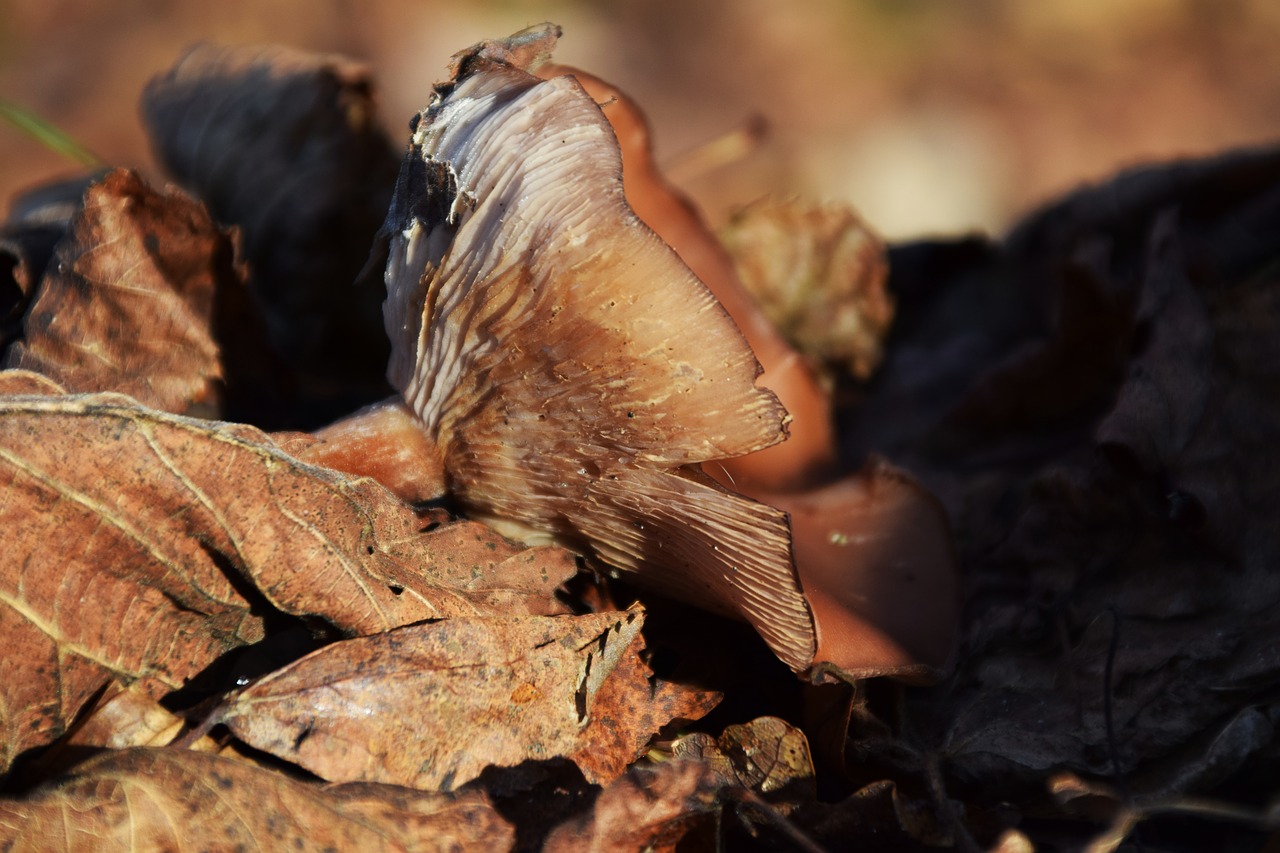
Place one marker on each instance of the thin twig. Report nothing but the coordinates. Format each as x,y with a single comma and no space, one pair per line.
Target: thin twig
776,819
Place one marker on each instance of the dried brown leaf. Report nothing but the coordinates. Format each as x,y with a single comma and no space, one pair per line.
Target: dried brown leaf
118,718
38,219
432,705
153,799
128,718
493,575
818,273
128,301
629,707
26,383
767,755
131,534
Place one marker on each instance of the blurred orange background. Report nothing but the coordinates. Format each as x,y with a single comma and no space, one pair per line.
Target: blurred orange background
929,116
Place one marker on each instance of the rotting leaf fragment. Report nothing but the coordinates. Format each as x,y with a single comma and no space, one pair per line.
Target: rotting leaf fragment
767,755
127,302
818,273
649,808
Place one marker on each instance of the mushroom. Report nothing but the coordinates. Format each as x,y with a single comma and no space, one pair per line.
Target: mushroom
566,377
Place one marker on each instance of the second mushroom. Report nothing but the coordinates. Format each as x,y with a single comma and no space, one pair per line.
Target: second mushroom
565,376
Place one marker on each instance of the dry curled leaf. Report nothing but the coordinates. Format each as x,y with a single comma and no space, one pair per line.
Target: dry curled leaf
432,705
767,755
135,536
818,273
162,799
128,301
127,718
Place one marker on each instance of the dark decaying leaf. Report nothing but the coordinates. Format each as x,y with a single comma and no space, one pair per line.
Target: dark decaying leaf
1097,402
432,705
128,301
37,220
287,146
138,543
164,799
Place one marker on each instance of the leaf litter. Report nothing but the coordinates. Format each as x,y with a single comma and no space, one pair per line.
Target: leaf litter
1091,398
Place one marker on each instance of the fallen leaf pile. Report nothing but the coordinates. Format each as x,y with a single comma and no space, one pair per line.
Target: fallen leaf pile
213,641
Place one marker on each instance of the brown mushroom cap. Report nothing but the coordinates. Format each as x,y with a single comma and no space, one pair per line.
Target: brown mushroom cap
567,363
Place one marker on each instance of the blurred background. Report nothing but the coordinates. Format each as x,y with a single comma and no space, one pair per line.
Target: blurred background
930,116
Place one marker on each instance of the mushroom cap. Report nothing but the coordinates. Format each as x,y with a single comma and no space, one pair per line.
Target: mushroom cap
570,367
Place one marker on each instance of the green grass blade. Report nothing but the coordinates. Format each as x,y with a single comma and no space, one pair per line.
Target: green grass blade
47,135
